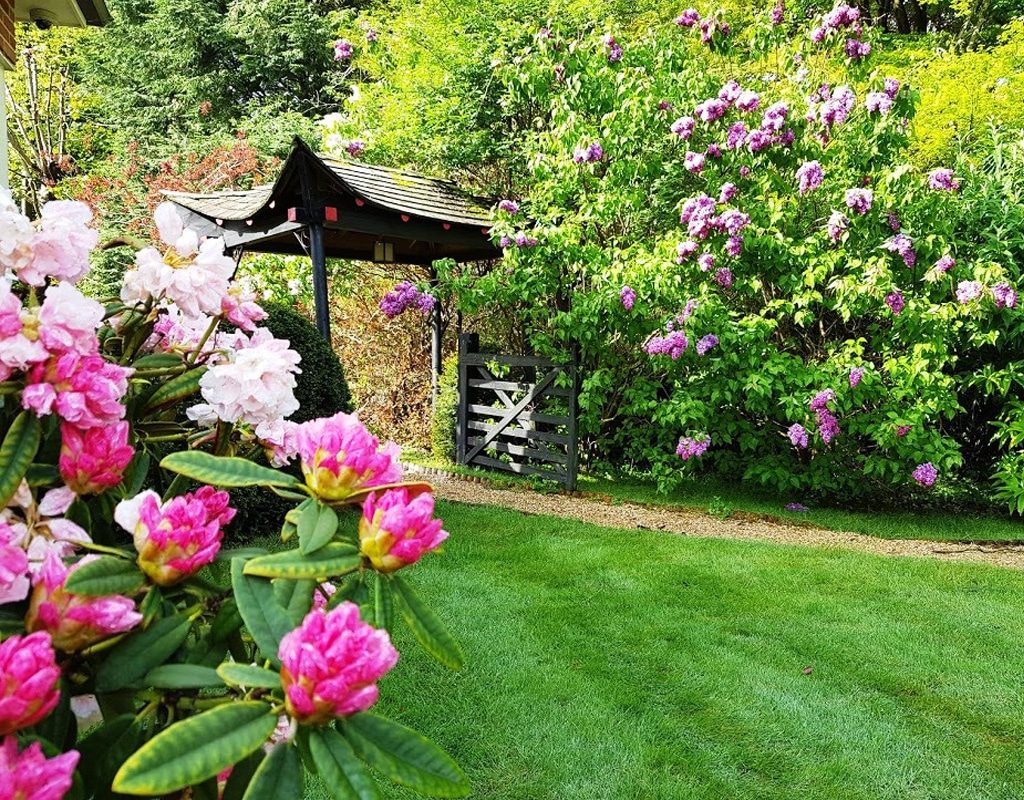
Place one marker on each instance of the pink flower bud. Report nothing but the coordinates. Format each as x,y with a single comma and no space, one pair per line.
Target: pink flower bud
340,457
331,664
73,621
29,679
93,459
178,538
30,775
396,529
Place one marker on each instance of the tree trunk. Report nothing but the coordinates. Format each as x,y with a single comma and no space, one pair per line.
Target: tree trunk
902,23
919,16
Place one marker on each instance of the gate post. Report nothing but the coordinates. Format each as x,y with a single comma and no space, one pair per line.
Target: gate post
573,464
468,343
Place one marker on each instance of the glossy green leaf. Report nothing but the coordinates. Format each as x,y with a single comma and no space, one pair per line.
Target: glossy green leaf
295,597
248,675
241,776
263,616
16,453
317,526
279,777
329,561
196,748
104,750
182,676
404,756
105,576
429,631
140,652
175,390
345,776
224,470
382,602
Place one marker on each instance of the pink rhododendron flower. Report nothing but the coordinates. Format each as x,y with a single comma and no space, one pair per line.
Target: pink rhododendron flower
94,459
177,538
925,474
280,438
239,306
397,529
798,437
74,621
341,457
15,235
29,681
39,528
966,291
14,582
62,243
68,320
693,446
84,390
30,775
254,385
331,663
322,594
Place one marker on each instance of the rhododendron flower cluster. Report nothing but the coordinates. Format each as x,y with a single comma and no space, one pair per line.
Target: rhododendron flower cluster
177,538
30,775
94,459
14,582
29,681
404,296
398,528
84,390
57,246
239,306
925,474
693,446
75,621
340,457
331,663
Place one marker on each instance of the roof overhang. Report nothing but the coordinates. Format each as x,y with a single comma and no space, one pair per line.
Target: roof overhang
63,13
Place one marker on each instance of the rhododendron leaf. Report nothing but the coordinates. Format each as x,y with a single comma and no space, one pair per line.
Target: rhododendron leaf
106,575
175,390
345,776
329,561
287,494
266,621
42,475
224,471
413,487
138,653
404,756
248,675
183,676
241,552
16,453
382,603
227,621
157,361
429,631
105,749
278,777
295,597
59,726
317,526
240,777
196,749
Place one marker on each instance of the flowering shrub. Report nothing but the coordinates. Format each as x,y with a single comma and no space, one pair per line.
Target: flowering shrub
117,600
762,184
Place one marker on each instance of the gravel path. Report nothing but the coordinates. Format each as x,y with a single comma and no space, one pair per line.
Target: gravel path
691,523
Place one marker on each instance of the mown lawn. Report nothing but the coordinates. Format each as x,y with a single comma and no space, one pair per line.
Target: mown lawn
625,664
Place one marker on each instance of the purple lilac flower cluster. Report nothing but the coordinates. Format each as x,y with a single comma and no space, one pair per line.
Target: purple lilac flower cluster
828,425
925,474
942,180
859,200
343,50
895,302
778,13
904,246
1004,295
798,437
809,176
798,507
966,291
707,343
837,225
614,49
693,446
509,207
404,296
672,344
590,154
355,148
628,297
519,239
856,375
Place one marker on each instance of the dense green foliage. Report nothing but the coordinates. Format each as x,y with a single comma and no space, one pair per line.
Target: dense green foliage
443,420
702,645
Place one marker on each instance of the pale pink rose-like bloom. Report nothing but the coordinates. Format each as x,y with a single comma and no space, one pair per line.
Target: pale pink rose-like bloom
84,390
331,663
255,385
239,306
14,582
61,245
280,439
20,347
397,528
173,232
15,235
29,681
177,538
94,459
39,529
68,320
173,331
74,621
30,775
201,286
341,457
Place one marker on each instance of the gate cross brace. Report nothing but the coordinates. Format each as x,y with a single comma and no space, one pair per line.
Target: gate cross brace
513,412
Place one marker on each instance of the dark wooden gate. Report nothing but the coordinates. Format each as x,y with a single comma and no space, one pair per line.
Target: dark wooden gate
517,413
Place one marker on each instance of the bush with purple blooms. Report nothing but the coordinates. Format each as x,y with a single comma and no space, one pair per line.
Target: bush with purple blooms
782,211
404,296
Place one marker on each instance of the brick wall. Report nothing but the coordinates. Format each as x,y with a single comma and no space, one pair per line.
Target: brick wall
7,51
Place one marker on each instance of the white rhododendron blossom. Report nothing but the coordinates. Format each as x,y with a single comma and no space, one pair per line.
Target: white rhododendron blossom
193,275
56,246
254,383
15,235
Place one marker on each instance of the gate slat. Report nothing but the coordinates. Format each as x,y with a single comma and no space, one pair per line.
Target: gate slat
520,469
512,386
518,433
535,452
532,416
